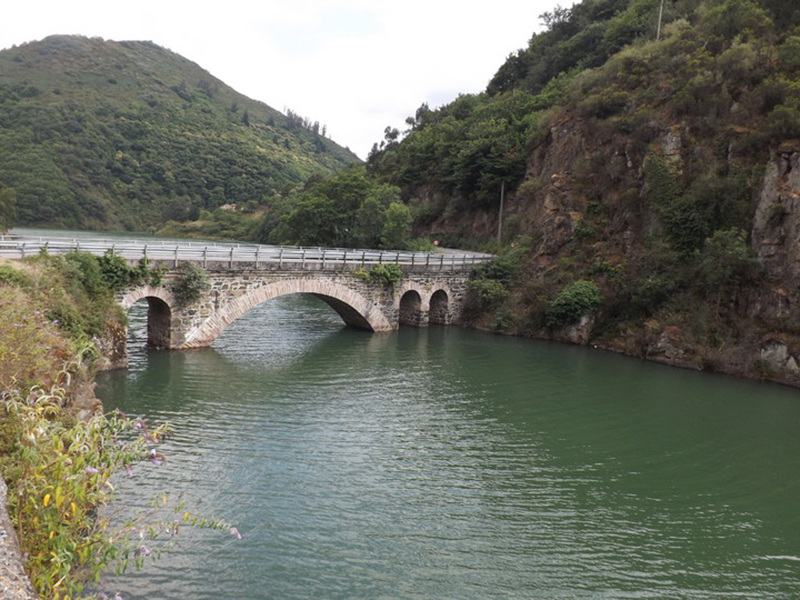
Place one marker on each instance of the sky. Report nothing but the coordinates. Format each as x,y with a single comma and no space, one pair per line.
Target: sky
356,66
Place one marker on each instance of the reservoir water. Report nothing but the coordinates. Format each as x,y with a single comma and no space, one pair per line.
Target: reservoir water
446,463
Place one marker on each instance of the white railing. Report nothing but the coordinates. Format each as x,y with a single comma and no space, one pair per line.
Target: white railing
255,256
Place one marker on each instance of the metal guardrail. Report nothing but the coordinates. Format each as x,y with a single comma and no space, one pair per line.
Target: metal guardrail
291,257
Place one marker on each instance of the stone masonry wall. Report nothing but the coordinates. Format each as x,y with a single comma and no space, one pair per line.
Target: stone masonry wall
233,292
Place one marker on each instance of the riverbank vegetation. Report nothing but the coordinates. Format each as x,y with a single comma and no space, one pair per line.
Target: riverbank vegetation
57,452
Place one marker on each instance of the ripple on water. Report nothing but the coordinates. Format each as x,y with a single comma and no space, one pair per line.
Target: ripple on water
446,463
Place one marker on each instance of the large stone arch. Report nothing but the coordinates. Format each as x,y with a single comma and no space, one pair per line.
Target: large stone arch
147,291
160,303
354,309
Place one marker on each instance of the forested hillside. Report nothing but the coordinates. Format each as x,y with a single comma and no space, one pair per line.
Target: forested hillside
128,135
650,174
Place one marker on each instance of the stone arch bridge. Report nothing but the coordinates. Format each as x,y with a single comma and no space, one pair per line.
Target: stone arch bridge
420,298
241,277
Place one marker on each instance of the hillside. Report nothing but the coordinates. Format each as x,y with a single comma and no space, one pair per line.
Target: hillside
651,182
127,135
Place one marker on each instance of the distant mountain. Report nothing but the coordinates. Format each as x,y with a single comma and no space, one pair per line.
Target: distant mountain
127,135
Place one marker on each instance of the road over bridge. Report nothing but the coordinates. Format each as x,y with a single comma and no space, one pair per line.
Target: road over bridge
240,277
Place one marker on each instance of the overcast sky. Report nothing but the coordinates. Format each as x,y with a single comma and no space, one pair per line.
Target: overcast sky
353,65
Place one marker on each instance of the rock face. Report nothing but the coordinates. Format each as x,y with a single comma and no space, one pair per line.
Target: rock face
776,231
592,187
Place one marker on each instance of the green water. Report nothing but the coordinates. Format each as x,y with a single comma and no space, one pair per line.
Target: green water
446,463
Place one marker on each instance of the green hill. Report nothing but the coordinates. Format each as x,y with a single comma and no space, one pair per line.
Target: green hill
127,135
651,175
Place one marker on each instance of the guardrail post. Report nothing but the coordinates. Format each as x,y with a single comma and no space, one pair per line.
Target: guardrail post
230,262
22,250
205,256
323,259
441,261
258,249
380,258
280,258
398,258
427,260
413,256
344,260
303,264
145,251
176,258
363,255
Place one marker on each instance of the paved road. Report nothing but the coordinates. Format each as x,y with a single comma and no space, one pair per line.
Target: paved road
14,246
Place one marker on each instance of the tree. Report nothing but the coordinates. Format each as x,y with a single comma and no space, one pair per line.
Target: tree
8,208
726,262
397,228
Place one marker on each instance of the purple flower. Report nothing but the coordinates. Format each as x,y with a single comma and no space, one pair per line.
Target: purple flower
142,551
156,457
91,470
235,533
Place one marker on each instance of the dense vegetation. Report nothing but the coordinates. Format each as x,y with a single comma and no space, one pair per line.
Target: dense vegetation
632,152
349,209
128,135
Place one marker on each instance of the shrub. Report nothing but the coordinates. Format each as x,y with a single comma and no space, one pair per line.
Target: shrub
59,474
11,276
579,298
386,275
503,269
31,348
191,284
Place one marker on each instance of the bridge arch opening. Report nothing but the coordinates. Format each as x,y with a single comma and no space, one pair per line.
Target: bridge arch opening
354,309
411,309
152,324
440,307
350,316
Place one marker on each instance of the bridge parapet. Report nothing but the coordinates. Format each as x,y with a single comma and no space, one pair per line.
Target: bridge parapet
244,256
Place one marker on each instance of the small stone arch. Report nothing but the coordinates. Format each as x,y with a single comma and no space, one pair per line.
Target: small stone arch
354,309
411,311
159,313
439,308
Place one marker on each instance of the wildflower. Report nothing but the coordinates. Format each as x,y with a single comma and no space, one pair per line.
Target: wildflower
157,458
142,551
91,470
235,533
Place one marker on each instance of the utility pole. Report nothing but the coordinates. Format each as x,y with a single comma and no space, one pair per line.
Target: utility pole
500,216
660,14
